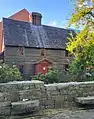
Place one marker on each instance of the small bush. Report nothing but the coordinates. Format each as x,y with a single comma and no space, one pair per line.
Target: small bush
40,77
81,77
52,76
8,74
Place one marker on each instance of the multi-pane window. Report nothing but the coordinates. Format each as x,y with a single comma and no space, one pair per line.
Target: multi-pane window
43,52
21,50
66,66
21,68
67,54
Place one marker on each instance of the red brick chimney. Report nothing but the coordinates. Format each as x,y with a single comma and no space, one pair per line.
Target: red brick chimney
36,18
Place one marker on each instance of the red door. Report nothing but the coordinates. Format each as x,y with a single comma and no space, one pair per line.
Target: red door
42,67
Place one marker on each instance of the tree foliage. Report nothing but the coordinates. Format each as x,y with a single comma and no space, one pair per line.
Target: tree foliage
83,13
8,74
82,46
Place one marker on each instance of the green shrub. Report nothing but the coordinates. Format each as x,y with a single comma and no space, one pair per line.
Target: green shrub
52,76
8,74
40,77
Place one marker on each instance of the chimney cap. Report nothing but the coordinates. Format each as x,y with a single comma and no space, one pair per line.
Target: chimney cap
36,14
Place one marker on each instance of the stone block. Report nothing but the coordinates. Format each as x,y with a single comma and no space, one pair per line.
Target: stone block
54,93
48,103
26,86
31,86
67,104
29,94
91,93
11,96
25,94
5,108
43,89
2,97
41,103
59,103
50,87
64,91
85,100
62,86
66,98
37,84
43,94
24,107
5,87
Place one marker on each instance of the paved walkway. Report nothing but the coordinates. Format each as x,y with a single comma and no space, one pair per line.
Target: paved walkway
61,114
68,114
75,115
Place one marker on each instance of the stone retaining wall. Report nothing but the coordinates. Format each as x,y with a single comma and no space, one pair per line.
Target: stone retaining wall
60,95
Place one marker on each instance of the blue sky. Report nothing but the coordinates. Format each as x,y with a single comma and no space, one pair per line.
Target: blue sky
55,12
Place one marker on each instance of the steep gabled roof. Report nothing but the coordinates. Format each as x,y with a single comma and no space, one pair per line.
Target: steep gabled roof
21,11
19,33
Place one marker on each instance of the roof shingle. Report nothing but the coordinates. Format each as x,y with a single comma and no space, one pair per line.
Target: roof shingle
19,33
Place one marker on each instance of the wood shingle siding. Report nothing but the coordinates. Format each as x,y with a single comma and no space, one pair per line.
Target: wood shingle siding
32,55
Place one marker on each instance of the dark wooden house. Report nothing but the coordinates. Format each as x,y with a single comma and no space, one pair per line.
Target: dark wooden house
34,47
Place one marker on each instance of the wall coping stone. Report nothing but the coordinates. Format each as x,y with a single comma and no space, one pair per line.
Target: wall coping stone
23,82
41,82
68,84
85,100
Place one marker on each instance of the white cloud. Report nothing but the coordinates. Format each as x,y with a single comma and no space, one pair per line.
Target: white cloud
53,23
61,24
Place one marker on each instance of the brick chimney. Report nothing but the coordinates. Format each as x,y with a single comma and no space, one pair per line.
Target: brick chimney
36,18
